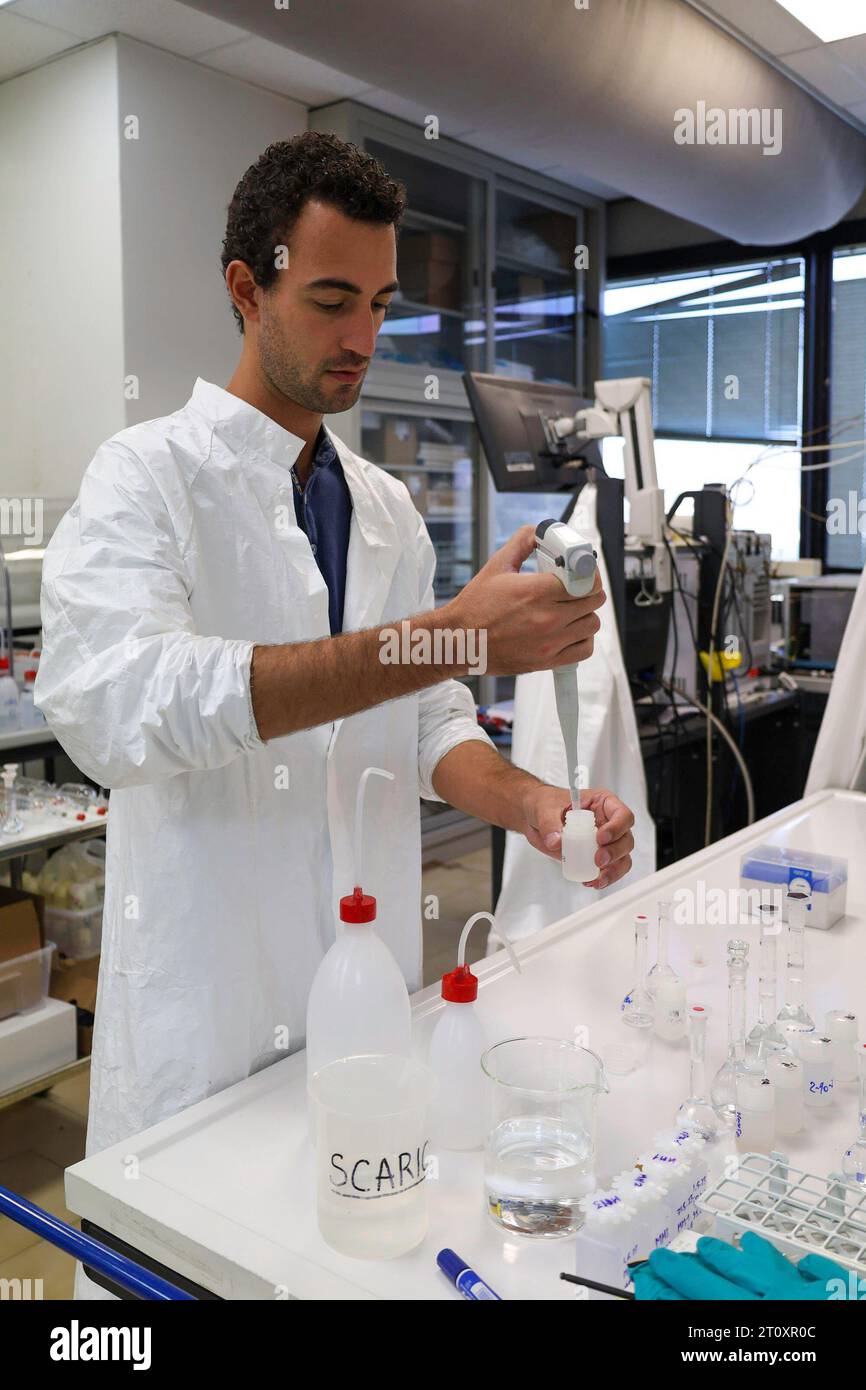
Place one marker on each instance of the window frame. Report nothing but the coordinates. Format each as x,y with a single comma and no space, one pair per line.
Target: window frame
817,254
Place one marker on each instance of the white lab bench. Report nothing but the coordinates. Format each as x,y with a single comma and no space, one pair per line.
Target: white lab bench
224,1193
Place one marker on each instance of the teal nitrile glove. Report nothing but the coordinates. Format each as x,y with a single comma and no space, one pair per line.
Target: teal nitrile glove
718,1271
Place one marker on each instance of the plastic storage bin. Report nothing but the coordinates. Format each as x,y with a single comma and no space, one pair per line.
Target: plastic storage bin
77,931
774,867
25,980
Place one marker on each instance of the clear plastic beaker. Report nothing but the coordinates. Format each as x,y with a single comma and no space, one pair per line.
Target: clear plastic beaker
539,1153
372,1155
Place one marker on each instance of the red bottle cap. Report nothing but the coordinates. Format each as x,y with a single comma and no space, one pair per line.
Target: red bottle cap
30,675
4,663
460,986
358,907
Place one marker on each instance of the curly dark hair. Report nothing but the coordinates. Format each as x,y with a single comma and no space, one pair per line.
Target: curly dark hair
269,198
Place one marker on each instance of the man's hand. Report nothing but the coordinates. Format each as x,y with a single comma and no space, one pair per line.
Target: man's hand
531,623
544,811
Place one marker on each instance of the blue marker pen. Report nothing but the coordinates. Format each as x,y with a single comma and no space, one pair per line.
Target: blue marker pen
464,1279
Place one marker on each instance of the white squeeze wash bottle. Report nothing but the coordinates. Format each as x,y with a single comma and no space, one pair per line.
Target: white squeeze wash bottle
358,1002
457,1042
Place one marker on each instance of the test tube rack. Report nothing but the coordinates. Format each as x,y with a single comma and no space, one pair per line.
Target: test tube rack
799,1212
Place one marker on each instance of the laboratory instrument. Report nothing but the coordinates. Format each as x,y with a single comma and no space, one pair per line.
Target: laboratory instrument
817,1054
631,1046
723,1090
696,1111
765,1036
799,1212
755,1123
464,1279
793,1015
772,868
854,1158
540,1117
358,1000
456,1046
786,1073
608,1240
9,706
372,1154
841,1026
561,551
12,823
665,988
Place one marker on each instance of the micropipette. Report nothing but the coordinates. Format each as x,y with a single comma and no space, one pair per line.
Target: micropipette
562,551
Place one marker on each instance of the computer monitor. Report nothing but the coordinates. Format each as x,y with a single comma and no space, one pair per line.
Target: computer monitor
510,417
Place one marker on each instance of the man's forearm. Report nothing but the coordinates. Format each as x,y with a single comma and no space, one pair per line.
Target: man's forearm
302,684
475,778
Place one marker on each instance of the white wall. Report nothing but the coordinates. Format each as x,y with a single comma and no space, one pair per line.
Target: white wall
61,345
198,131
111,247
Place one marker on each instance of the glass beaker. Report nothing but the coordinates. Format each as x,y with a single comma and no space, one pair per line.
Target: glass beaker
540,1097
372,1154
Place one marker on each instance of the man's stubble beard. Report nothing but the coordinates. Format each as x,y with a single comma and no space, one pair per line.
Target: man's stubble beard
288,374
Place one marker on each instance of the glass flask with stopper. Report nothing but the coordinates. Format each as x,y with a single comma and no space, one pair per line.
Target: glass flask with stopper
723,1092
696,1110
766,1038
793,1016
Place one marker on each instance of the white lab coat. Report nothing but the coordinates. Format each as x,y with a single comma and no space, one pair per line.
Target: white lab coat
534,892
839,759
226,855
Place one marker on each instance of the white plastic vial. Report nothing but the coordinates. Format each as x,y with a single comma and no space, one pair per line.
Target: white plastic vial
755,1120
579,847
607,1242
786,1074
671,1012
841,1026
818,1057
687,1141
676,1169
650,1196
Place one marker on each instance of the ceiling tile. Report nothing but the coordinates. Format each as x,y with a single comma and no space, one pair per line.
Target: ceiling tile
279,69
25,45
165,23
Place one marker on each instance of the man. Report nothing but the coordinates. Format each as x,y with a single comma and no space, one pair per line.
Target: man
213,608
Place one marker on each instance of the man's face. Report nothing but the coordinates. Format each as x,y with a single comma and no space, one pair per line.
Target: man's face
317,330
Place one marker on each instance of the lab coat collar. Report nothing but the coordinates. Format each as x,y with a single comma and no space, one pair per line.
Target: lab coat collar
374,543
245,429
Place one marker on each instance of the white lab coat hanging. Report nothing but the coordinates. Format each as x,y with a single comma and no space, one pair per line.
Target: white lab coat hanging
839,759
534,893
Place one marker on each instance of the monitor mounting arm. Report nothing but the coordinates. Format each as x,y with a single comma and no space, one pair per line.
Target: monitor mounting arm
622,408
